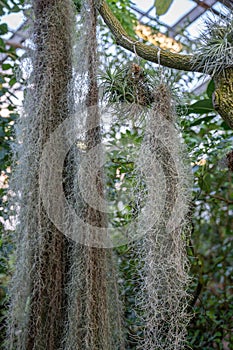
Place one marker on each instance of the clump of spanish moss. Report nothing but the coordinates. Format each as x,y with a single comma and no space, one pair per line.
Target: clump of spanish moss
94,309
163,298
216,51
64,294
37,310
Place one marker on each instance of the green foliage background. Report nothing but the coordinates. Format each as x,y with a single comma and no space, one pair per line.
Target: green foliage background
211,247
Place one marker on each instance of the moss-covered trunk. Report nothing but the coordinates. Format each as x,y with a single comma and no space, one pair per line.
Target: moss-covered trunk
38,310
223,95
52,75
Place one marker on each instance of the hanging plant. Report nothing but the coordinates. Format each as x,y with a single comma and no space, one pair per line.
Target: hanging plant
216,51
129,84
163,297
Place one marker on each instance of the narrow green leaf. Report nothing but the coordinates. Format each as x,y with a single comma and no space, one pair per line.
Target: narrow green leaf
162,6
210,88
201,107
3,28
3,153
202,120
15,8
225,126
4,3
12,81
2,45
2,132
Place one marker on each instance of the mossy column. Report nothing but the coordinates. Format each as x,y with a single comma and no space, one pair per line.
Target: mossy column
38,309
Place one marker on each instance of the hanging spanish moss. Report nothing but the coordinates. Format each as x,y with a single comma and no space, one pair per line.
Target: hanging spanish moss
163,298
94,308
64,294
37,290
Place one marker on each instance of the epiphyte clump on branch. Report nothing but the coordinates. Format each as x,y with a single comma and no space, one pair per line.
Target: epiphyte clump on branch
216,51
129,84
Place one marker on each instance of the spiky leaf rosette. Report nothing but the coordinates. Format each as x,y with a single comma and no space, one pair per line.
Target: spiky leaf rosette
128,84
216,51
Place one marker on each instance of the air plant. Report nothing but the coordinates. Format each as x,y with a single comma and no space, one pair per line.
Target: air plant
216,51
128,84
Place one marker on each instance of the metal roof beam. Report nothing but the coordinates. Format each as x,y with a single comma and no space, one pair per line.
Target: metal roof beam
191,16
227,3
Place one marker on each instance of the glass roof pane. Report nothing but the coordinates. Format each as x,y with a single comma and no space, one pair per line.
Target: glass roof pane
14,20
221,8
195,28
178,9
143,4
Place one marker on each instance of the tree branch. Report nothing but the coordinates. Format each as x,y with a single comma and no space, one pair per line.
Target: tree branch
222,97
149,53
15,45
228,201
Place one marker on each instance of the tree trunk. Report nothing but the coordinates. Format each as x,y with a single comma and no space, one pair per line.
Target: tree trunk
223,95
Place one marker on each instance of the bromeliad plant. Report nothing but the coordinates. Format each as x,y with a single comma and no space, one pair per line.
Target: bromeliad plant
129,84
215,53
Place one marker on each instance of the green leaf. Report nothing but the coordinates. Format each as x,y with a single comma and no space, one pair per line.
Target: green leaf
162,6
3,153
3,28
78,5
12,81
206,182
6,66
13,116
210,88
201,107
2,44
202,120
225,126
4,3
15,8
2,132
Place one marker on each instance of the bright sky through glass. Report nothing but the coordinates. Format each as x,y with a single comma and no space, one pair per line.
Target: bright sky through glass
177,10
14,20
195,28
